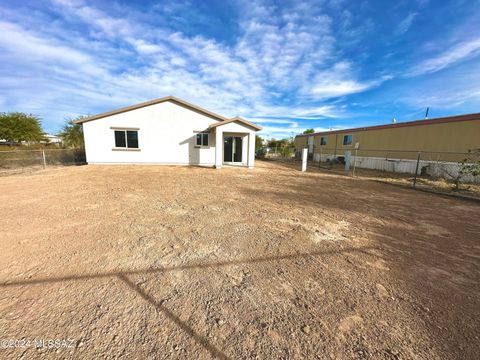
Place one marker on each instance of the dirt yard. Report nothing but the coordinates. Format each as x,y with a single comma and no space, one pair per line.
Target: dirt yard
175,262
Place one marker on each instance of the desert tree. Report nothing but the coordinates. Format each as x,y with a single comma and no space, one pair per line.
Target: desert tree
468,167
258,142
16,127
72,134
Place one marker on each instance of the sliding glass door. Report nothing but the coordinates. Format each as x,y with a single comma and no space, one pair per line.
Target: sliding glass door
232,149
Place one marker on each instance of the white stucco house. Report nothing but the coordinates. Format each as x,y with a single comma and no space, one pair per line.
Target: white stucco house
168,131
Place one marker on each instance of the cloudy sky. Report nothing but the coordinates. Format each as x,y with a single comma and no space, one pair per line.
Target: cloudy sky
287,65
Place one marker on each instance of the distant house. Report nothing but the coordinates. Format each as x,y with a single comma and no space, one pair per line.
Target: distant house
396,145
53,139
168,131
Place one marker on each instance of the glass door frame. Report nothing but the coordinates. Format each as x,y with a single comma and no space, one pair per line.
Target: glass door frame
233,147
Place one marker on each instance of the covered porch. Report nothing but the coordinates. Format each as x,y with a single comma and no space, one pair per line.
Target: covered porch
234,143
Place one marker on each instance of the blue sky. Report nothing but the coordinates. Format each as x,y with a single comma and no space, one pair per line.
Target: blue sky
287,65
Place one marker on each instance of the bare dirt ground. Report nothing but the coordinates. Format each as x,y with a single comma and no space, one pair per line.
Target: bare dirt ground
185,262
424,182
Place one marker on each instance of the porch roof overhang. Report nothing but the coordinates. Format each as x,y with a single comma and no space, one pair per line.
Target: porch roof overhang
237,120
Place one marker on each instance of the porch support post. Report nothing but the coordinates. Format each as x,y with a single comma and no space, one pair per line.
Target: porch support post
218,148
251,150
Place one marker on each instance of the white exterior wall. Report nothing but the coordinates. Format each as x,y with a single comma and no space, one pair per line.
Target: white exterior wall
165,136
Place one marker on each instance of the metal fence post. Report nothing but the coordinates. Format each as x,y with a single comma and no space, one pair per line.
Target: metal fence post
304,158
416,170
44,159
354,162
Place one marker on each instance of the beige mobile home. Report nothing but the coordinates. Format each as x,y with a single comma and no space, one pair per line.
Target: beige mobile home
380,147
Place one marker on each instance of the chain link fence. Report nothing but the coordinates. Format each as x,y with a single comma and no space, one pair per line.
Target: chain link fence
286,153
15,161
445,172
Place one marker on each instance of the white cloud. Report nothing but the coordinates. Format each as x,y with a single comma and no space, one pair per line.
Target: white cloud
111,59
278,132
293,124
329,86
330,128
111,26
446,99
457,53
296,111
338,81
41,49
406,23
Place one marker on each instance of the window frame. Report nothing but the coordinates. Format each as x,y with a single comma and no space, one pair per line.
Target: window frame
120,137
323,140
202,136
126,139
345,137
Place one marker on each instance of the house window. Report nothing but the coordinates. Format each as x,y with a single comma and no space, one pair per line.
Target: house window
323,140
202,139
347,140
126,139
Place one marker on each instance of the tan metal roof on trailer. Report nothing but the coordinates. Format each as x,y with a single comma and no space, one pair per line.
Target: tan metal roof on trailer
441,120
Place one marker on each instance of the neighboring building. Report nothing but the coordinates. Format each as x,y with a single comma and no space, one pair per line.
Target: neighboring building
53,139
168,131
397,145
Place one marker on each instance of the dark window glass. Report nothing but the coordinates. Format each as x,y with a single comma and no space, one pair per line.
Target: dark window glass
323,141
202,139
347,140
132,139
120,139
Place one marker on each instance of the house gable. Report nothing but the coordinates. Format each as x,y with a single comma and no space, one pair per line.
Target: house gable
237,120
172,99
